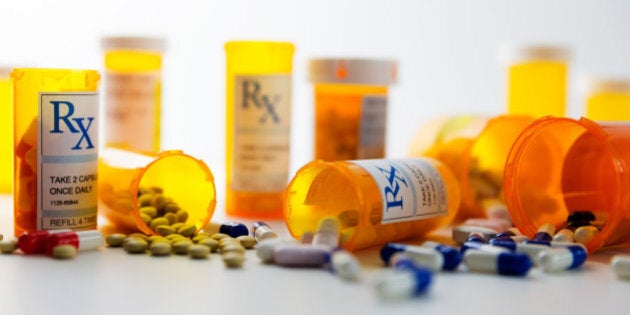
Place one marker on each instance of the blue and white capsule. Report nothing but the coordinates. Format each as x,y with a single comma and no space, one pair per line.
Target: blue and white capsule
407,280
233,229
423,256
452,256
562,258
511,264
544,235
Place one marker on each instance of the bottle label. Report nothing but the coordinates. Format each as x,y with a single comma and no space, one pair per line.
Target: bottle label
411,189
67,161
132,111
372,127
262,125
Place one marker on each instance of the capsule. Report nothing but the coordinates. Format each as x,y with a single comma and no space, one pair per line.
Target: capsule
562,258
543,235
327,233
452,256
533,250
564,235
462,232
265,248
262,231
82,240
300,255
344,265
511,264
621,266
307,237
233,229
405,281
35,242
585,234
423,256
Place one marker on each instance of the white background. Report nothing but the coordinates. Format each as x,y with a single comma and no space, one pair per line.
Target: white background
448,64
447,52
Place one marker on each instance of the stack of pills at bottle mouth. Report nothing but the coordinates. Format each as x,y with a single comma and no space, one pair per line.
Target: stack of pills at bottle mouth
60,244
230,239
320,250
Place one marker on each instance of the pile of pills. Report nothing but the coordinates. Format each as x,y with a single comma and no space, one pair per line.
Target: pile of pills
59,244
231,246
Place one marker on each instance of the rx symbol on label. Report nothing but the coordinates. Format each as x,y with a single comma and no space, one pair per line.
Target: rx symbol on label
392,197
63,111
266,103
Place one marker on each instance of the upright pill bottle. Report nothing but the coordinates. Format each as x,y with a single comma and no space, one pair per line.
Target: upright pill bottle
133,92
561,165
6,135
258,127
376,201
176,177
536,80
350,107
475,148
56,122
608,99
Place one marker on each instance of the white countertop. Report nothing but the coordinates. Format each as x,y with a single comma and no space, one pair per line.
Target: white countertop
109,281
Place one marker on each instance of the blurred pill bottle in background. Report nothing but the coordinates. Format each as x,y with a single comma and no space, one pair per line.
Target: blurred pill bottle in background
475,148
608,99
350,107
258,127
133,92
536,79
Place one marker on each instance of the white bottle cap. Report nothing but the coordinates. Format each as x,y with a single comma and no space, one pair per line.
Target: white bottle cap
512,54
157,44
352,71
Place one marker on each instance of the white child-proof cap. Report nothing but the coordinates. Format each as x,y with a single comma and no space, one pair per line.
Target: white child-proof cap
352,71
134,43
509,53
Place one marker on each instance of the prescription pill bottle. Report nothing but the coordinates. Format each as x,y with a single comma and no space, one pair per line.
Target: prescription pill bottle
56,121
608,99
536,80
350,107
376,201
559,165
6,135
133,88
258,94
475,148
168,178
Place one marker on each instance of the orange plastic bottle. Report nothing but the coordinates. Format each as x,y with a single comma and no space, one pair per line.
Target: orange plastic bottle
258,127
608,99
350,107
178,177
376,201
56,121
6,135
475,148
561,165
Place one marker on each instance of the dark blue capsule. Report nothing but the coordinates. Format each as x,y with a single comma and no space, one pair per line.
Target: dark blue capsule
233,229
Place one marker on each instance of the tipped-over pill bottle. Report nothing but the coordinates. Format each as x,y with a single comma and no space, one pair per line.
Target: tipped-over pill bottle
536,80
376,201
258,127
6,132
475,149
133,88
56,122
142,192
350,107
608,99
559,166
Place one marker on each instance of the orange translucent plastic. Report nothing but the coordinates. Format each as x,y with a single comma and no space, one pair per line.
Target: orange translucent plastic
6,135
183,178
475,148
322,189
27,84
337,120
251,58
537,88
560,165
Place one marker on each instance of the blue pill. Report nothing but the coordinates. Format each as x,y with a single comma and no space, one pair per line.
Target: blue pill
502,263
562,258
233,229
452,256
